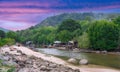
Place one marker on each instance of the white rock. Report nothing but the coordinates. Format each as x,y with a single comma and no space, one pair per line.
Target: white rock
76,50
104,52
83,62
72,60
24,70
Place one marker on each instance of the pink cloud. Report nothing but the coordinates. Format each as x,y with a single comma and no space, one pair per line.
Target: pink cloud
23,10
16,4
17,16
11,25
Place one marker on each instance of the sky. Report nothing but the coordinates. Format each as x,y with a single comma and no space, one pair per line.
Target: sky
22,14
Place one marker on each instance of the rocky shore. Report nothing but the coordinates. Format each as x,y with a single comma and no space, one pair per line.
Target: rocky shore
24,63
23,59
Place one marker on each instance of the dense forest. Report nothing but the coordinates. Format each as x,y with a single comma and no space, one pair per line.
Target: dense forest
87,29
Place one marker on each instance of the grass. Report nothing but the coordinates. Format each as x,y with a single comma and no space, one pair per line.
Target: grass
6,68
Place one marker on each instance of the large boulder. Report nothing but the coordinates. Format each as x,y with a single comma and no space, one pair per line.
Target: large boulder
83,62
72,60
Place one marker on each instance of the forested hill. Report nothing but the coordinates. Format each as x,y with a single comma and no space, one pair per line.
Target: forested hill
55,20
87,29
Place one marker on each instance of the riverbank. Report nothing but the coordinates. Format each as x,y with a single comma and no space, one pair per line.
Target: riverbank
117,52
27,52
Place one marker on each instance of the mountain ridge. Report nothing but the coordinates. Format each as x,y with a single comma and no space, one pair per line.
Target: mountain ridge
57,19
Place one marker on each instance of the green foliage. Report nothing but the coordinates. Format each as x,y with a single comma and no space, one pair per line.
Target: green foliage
64,36
7,41
117,21
11,69
83,41
77,33
84,25
1,62
58,19
13,35
2,34
98,35
70,25
103,35
41,35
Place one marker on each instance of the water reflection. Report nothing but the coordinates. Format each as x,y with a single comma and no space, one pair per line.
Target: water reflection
98,59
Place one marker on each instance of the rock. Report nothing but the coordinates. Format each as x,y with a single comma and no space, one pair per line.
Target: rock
53,65
77,70
118,53
72,60
12,49
1,57
6,58
43,68
21,58
28,62
76,50
97,52
24,70
104,52
83,62
25,63
35,66
9,63
19,51
17,54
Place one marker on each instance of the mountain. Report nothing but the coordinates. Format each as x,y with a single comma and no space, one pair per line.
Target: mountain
5,30
55,20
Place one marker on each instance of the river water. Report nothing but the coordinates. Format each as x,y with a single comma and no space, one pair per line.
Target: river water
97,59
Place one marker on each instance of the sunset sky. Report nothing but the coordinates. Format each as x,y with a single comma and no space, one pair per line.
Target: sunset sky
21,14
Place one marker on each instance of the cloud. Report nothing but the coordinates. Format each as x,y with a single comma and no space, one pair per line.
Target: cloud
14,25
26,13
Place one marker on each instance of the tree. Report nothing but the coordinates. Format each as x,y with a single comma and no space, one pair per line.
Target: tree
7,41
2,34
117,21
64,36
13,35
83,41
69,25
103,35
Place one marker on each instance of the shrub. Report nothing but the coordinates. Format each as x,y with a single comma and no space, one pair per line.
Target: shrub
103,35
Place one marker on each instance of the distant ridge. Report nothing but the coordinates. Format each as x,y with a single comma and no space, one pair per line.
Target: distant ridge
5,30
57,19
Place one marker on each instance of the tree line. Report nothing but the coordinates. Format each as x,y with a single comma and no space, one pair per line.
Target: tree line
8,38
96,34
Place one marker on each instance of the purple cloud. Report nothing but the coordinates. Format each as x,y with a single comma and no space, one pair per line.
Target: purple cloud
22,14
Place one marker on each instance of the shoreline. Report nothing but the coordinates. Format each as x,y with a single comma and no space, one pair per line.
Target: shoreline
91,51
56,60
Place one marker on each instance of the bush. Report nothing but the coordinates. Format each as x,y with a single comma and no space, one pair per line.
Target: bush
83,41
103,35
7,41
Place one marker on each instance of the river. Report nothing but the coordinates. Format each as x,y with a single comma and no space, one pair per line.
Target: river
97,59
